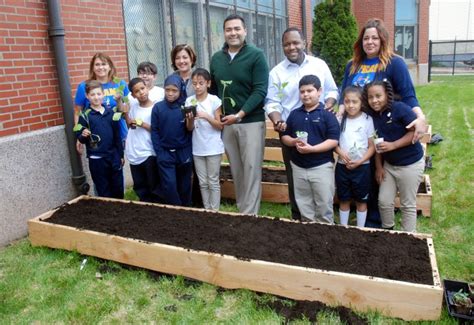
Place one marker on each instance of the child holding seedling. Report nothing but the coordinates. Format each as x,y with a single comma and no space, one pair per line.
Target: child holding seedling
139,148
399,162
102,69
313,133
207,143
354,150
99,129
171,134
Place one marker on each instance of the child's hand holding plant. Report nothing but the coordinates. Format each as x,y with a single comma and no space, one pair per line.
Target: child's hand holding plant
86,133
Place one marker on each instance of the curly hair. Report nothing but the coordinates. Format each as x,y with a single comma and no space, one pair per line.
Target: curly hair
388,90
385,53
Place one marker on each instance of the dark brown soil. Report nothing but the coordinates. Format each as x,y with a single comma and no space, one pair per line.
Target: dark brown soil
272,143
268,175
350,250
295,310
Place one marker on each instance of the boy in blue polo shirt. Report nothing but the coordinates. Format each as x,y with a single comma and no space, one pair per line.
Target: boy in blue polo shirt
313,133
99,129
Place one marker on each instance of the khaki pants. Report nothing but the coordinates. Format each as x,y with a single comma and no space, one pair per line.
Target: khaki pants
244,146
405,180
314,191
208,170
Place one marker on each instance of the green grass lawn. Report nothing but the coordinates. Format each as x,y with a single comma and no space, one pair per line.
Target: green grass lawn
42,285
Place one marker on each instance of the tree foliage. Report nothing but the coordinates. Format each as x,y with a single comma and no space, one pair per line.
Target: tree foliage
334,34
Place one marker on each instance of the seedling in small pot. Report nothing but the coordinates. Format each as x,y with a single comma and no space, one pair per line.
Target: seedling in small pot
377,140
190,109
94,138
462,302
302,136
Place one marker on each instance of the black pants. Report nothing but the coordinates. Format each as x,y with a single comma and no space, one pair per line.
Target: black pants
107,175
146,180
295,212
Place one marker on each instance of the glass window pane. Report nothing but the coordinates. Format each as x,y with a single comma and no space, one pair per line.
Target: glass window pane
409,42
265,6
217,16
190,28
148,36
405,12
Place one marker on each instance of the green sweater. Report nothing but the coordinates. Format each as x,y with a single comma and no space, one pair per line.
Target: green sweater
248,74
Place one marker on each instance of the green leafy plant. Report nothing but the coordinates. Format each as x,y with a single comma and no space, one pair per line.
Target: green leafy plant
461,298
121,89
94,138
281,87
374,135
334,34
225,84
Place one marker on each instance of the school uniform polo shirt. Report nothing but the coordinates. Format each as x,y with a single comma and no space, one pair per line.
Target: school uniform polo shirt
390,125
320,125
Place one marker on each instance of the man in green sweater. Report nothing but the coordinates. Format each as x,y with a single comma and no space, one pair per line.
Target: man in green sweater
240,78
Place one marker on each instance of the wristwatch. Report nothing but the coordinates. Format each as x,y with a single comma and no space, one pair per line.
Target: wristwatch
238,118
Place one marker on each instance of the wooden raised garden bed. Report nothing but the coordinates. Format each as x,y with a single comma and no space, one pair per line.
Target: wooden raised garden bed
332,264
274,184
426,138
272,151
275,188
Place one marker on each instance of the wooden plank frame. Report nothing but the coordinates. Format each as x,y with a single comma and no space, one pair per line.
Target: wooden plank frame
278,193
271,192
426,138
270,153
405,300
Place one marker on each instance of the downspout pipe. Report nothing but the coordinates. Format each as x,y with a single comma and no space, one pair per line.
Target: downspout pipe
56,33
304,21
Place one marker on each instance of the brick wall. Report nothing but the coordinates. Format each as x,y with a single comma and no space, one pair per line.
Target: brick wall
366,9
29,95
423,31
295,17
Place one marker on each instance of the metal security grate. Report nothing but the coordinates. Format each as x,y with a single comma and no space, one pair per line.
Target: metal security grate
148,34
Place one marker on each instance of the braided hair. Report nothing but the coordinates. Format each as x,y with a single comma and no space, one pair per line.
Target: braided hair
388,90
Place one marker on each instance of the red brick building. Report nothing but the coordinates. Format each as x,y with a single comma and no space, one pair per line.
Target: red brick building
36,162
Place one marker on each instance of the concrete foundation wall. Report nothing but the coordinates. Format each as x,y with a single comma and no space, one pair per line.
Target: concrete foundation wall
418,73
35,176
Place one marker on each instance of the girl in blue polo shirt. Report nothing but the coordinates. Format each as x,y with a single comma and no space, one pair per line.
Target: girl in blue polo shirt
399,163
171,134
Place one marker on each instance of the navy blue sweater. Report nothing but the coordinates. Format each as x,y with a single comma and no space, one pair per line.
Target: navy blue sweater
103,125
168,127
398,75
